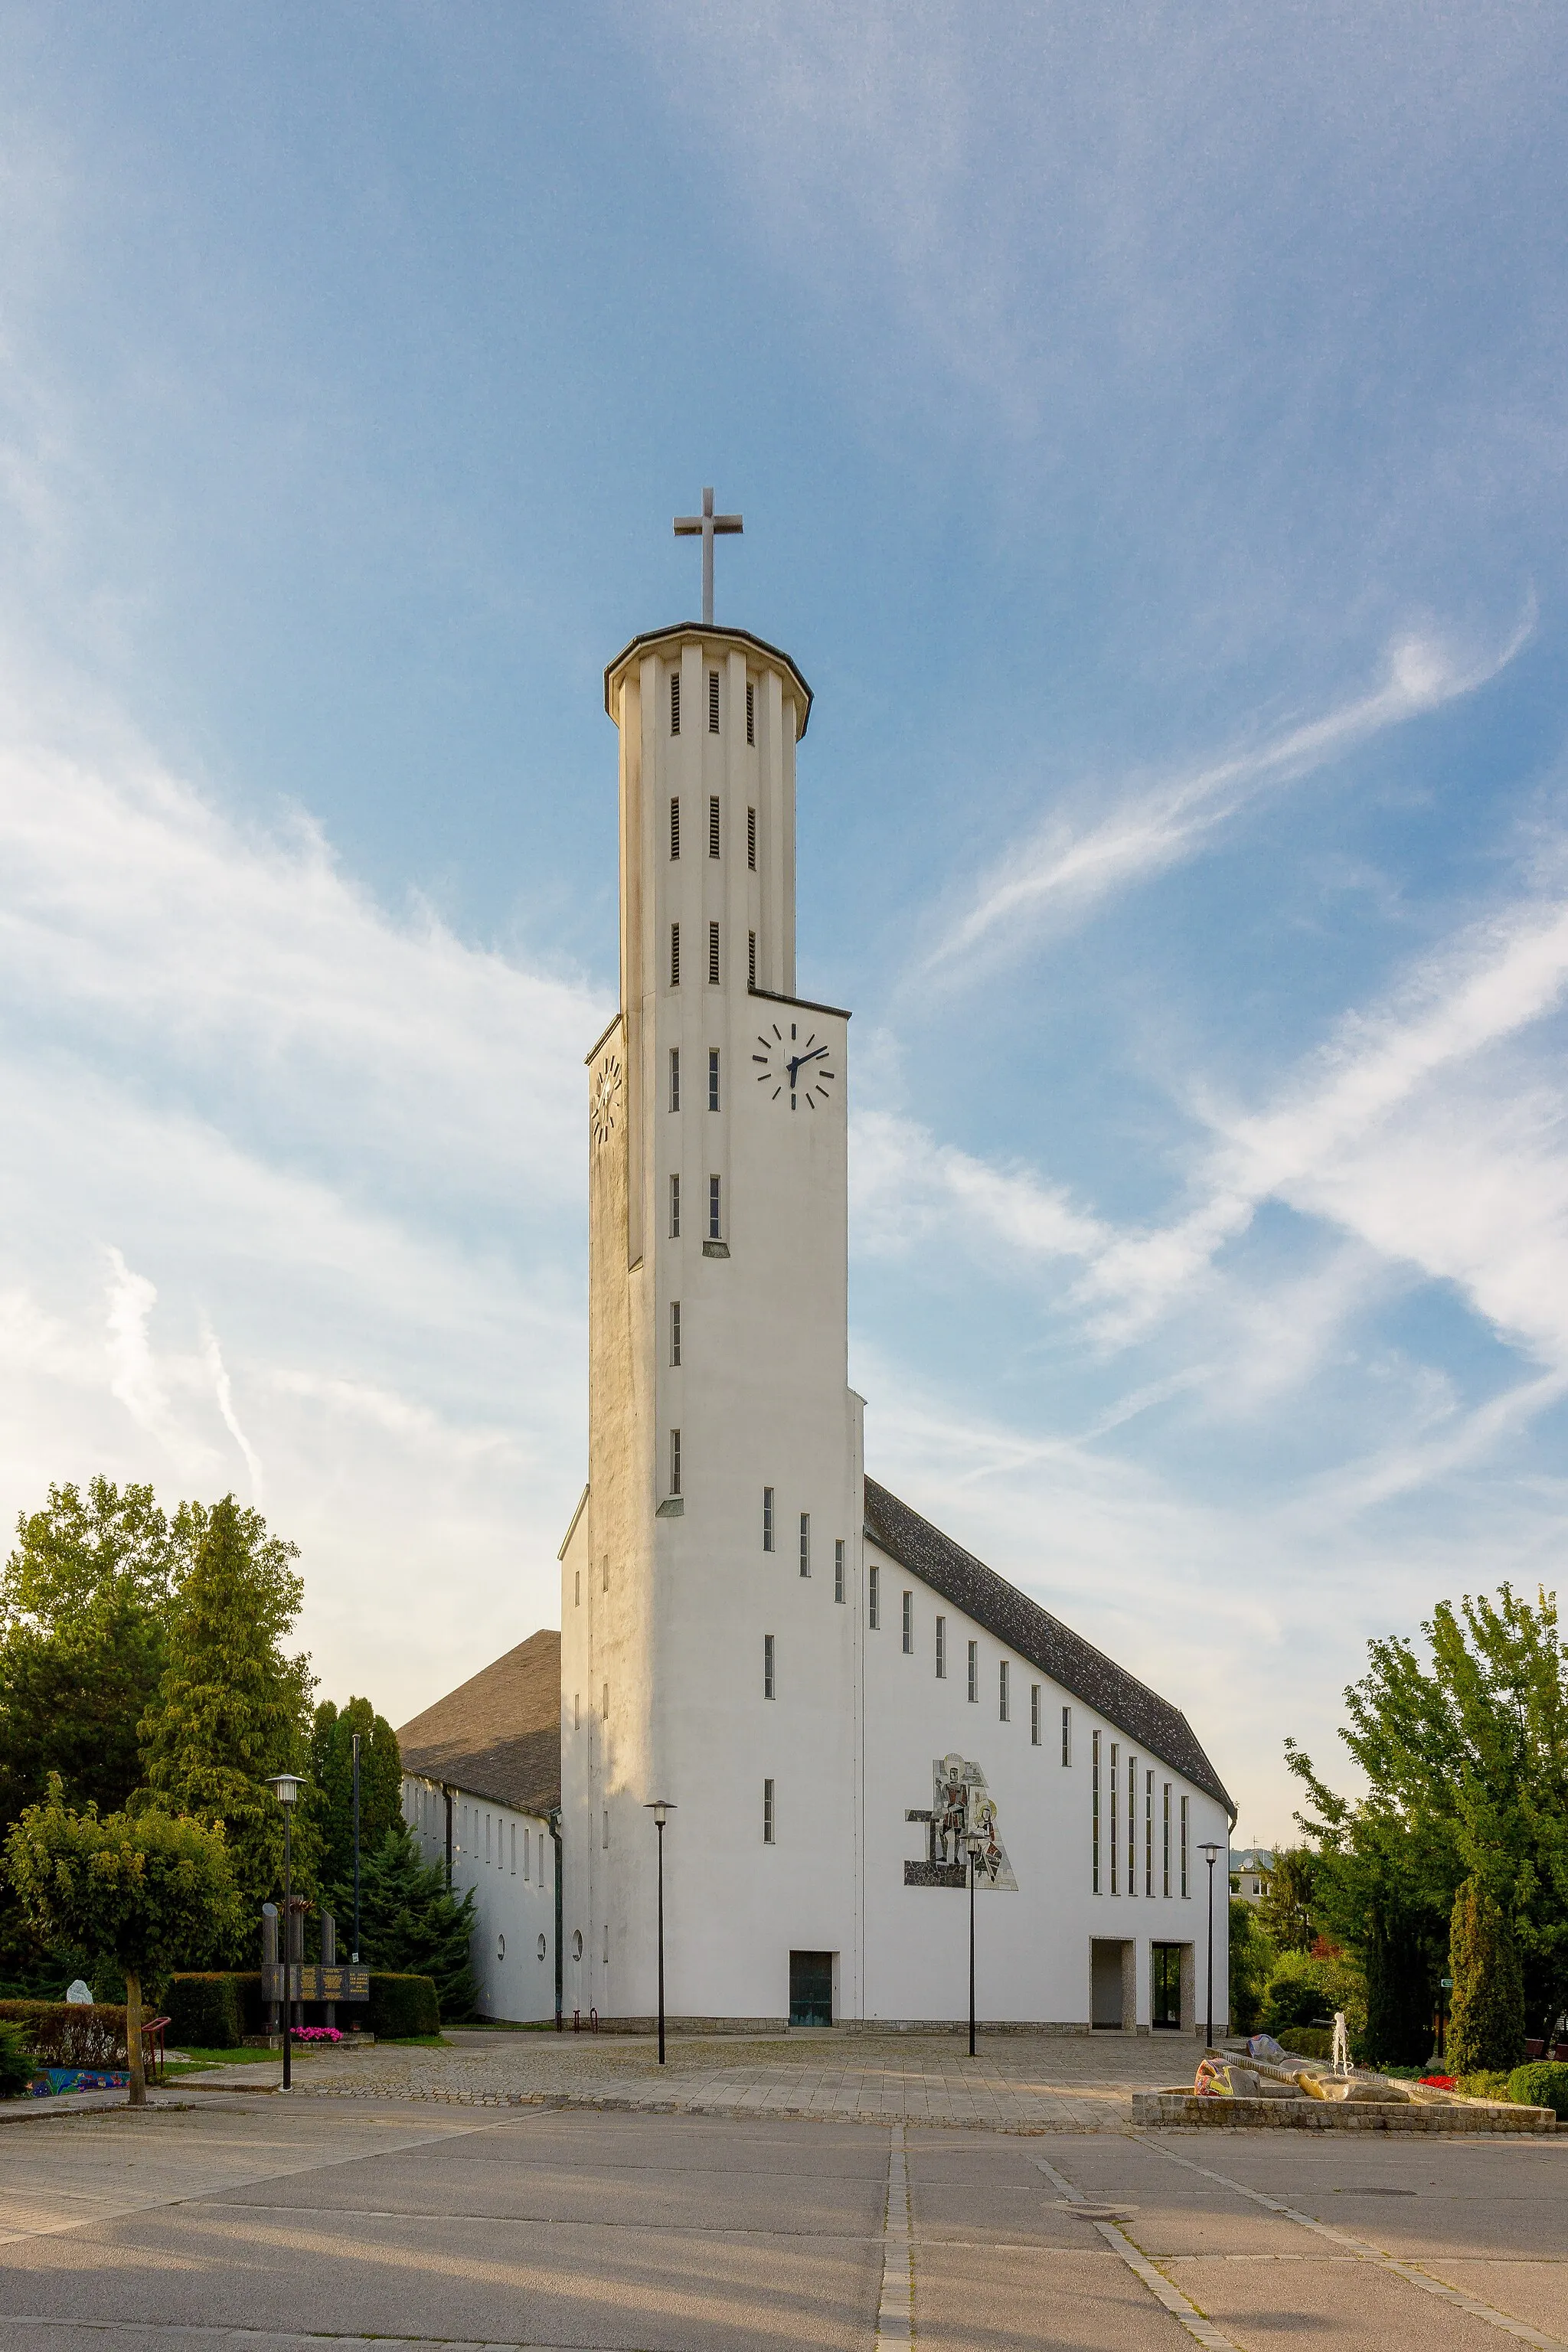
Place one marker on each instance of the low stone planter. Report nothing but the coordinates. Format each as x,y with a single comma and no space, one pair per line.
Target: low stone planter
1185,2107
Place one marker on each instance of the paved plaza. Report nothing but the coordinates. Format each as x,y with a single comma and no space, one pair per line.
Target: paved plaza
396,2207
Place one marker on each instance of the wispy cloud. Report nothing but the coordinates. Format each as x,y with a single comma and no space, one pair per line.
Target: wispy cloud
1069,864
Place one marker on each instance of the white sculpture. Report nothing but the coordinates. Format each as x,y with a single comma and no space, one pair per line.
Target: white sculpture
1341,2049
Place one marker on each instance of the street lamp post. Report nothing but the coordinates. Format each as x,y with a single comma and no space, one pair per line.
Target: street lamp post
285,1787
1211,1852
356,1851
660,1808
974,1844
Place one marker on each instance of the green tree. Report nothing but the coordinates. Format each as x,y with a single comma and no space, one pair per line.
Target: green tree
232,1708
332,1769
412,1922
1251,1957
1286,1910
142,1890
1465,1752
1486,2030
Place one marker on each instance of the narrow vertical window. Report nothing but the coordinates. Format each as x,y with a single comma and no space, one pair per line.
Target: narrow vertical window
607,1586
806,1543
712,702
767,1665
909,1624
576,1588
1133,1825
675,1461
674,829
674,702
527,1855
874,1597
712,955
1066,1734
712,1078
1186,1808
674,1357
1115,1837
1034,1715
767,1813
605,1841
767,1518
1149,1834
604,1703
752,839
750,711
751,959
713,825
975,1674
576,1710
1165,1843
1094,1805
838,1568
674,1077
1003,1693
675,1208
514,1850
675,955
941,1649
715,1230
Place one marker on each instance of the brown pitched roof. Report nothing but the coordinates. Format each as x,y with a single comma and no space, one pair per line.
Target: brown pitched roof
1037,1635
499,1734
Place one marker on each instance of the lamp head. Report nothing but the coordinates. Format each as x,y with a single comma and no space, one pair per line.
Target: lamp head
1211,1848
660,1808
286,1787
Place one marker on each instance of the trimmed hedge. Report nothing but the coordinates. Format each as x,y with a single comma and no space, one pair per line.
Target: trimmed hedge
1544,2084
205,2011
401,2007
69,2034
1307,2041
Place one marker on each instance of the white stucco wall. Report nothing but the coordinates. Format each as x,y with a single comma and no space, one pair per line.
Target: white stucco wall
509,1859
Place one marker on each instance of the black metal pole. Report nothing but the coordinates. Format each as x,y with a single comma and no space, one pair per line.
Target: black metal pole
660,1828
1209,2043
971,1951
356,1851
288,1947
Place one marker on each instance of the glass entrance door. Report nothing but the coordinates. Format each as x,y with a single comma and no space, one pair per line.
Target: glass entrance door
811,1987
1165,1987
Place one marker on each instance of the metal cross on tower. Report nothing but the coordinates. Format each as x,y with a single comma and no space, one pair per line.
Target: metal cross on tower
704,526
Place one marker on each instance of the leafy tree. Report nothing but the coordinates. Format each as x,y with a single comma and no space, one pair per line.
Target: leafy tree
410,1921
1286,1910
231,1708
142,1890
1466,1757
1301,1990
1251,1957
1486,2029
381,1787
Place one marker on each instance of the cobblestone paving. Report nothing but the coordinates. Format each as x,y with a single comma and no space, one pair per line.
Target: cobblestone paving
1018,2082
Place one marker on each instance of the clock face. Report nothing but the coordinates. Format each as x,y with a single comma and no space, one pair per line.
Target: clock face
605,1103
794,1069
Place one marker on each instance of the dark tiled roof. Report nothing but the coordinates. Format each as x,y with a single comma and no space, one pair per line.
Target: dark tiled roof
499,1734
1043,1639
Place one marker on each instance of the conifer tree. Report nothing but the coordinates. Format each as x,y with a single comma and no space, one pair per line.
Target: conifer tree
1486,2031
332,1769
231,1708
411,1922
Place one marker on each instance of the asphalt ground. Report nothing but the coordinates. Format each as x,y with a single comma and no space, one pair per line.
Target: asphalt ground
250,2222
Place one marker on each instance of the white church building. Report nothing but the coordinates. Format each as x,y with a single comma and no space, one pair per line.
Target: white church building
845,1709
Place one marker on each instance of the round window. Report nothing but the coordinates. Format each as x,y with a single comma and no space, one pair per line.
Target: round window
500,1947
576,1943
542,1947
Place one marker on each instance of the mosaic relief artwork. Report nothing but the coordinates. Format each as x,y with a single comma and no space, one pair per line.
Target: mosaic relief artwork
962,1806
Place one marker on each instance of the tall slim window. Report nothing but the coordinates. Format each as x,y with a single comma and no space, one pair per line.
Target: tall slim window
675,955
1003,1693
751,712
1186,1804
712,955
1066,1734
715,1229
604,1840
873,1596
1148,1833
514,1849
767,1665
767,1518
577,1588
767,1813
674,1339
1133,1825
751,959
1115,1840
752,839
527,1855
909,1624
674,829
675,1461
674,1077
1034,1715
674,702
606,1585
838,1568
1094,1805
712,1078
806,1543
975,1674
713,825
712,702
1165,1843
675,1208
604,1703
941,1649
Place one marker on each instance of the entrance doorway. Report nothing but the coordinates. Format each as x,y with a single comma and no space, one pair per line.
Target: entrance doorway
1165,1987
811,1987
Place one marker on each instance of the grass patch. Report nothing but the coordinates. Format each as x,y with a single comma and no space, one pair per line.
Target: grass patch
190,2058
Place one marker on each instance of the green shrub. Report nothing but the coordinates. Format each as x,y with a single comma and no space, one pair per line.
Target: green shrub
1309,2041
71,2033
1252,1957
400,2008
1486,2025
17,2064
1301,1988
1487,2084
204,2011
1543,2084
253,2010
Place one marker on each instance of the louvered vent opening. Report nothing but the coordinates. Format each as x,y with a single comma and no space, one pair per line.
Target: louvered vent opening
712,702
751,959
713,826
712,955
751,712
752,839
675,955
675,828
674,702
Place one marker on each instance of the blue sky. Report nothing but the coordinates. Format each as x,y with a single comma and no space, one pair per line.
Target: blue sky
1150,428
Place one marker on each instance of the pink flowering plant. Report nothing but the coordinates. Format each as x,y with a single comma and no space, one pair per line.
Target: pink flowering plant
316,2034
